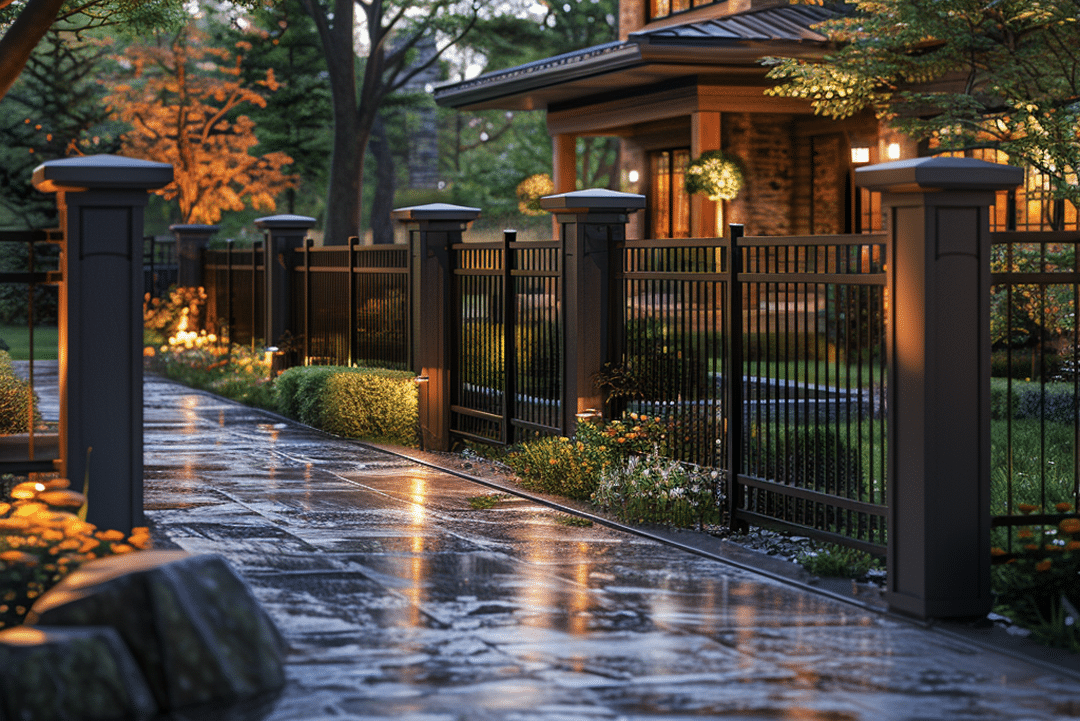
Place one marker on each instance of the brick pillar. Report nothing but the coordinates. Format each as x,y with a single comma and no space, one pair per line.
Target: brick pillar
432,230
191,241
589,222
937,215
101,200
283,234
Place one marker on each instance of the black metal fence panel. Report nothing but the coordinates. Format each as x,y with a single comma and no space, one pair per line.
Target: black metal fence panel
1035,380
235,297
797,325
509,342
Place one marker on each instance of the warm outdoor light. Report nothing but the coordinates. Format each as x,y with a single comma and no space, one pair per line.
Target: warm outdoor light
860,155
894,151
421,379
588,414
633,176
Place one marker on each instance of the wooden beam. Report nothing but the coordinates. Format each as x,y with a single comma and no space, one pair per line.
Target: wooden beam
704,136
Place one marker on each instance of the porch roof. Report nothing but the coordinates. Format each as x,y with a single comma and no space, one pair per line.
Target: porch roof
734,44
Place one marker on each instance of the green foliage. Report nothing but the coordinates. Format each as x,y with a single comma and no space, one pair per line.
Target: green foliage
235,372
486,502
15,399
833,561
1031,461
297,118
1055,402
55,105
572,467
1038,585
577,521
652,489
661,363
370,403
960,73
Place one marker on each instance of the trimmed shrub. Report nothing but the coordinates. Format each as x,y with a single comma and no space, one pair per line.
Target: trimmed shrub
15,399
370,403
1028,401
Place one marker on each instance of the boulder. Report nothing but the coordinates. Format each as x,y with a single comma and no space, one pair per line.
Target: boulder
64,674
191,623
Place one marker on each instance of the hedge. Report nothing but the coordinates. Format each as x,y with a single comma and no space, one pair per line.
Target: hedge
1028,401
370,403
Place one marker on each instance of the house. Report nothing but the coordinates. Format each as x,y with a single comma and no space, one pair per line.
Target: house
685,77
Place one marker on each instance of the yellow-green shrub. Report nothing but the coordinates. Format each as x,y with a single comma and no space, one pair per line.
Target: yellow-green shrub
370,403
15,399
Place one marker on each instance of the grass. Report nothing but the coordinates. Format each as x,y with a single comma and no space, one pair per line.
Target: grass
483,503
18,339
568,520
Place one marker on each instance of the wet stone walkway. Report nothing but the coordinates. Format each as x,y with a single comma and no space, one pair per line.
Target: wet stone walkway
401,601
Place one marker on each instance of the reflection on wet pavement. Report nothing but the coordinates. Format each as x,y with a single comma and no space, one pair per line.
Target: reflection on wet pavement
400,601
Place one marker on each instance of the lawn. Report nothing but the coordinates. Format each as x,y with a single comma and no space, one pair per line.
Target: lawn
18,339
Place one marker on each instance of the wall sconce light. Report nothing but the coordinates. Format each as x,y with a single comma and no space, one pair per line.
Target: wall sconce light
588,415
633,176
860,155
893,151
421,379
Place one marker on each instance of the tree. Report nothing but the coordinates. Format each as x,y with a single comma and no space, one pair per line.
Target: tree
391,31
25,23
297,118
184,106
489,153
54,109
960,74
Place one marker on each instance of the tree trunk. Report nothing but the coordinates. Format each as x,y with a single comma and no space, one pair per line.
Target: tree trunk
346,184
382,227
21,38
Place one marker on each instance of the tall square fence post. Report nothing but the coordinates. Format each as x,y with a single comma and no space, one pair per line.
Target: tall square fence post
589,222
938,345
284,235
101,199
191,242
433,229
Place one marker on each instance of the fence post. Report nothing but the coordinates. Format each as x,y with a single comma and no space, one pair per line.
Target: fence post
101,200
433,229
937,215
589,222
284,235
191,241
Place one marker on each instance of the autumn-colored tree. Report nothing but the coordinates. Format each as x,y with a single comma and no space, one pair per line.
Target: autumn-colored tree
184,106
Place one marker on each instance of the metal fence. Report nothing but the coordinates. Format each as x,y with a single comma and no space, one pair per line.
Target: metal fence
161,269
353,305
1035,413
509,340
234,280
798,325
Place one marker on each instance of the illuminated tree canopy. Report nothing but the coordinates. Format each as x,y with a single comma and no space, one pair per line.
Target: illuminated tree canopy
184,106
963,74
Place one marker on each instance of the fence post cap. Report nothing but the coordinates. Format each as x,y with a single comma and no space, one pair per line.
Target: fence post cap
593,199
284,221
435,211
101,172
919,174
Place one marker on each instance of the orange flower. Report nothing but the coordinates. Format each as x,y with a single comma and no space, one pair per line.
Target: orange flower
1026,508
995,551
1032,547
110,535
1072,546
1024,533
18,557
1070,525
62,497
1043,565
1063,507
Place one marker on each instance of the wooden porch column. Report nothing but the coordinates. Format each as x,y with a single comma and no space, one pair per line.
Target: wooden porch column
563,169
704,136
938,350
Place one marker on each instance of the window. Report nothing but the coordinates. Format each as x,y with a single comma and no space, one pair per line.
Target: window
669,204
663,8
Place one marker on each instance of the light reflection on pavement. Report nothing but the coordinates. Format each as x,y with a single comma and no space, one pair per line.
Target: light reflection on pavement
400,601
